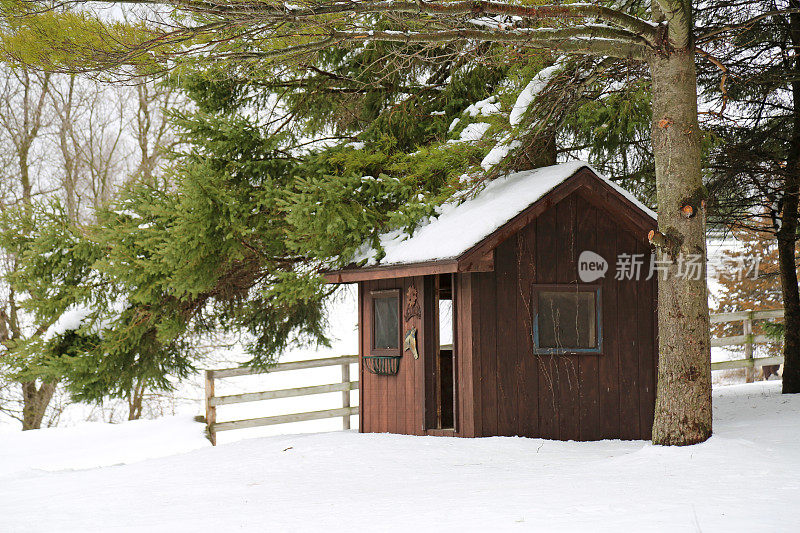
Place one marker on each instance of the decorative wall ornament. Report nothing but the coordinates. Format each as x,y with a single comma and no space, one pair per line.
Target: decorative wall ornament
412,304
410,342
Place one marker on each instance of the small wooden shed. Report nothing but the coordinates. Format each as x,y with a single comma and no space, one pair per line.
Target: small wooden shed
484,323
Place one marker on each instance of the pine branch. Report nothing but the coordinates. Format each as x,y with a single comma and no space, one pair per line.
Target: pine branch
619,35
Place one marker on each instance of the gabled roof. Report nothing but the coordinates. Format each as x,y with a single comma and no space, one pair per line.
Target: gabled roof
461,238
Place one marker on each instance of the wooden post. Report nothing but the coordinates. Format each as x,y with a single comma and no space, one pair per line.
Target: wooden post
748,348
346,395
211,410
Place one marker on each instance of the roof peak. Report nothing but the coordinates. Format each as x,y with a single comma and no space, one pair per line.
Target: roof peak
462,226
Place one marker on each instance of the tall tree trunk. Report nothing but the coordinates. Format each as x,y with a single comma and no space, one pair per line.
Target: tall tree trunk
683,396
36,399
787,235
791,298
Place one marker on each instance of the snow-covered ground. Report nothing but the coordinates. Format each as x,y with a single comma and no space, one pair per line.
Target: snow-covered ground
162,476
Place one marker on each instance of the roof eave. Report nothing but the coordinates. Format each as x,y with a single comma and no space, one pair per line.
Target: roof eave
484,263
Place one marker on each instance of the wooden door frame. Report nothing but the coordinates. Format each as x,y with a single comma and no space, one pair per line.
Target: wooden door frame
431,360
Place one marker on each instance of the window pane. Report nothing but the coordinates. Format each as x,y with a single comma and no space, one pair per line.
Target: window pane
567,319
387,322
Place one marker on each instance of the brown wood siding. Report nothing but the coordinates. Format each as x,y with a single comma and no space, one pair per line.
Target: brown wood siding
506,356
588,364
567,365
365,406
608,376
396,404
486,329
502,387
578,397
528,377
648,348
546,272
465,392
416,403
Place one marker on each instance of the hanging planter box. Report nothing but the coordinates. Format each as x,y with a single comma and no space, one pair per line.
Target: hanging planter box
382,365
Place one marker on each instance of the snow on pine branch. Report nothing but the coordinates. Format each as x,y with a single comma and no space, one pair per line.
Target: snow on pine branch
80,315
529,93
499,152
70,320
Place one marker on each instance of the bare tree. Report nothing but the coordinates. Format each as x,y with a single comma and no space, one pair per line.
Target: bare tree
23,117
90,124
79,140
151,129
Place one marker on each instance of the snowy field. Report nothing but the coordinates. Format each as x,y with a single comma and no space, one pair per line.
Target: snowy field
163,476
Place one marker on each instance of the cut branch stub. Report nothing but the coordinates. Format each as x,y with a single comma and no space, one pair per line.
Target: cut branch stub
666,244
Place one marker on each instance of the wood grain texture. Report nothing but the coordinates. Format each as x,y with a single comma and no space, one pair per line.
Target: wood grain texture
627,335
487,304
547,272
648,358
419,365
568,364
507,322
477,363
363,390
465,381
588,364
528,377
609,362
502,386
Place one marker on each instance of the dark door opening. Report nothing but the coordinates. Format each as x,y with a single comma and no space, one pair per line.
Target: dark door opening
444,368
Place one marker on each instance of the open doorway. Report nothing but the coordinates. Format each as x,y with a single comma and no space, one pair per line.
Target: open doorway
441,413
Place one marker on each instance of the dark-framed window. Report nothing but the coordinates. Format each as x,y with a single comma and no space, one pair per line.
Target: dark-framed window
386,330
567,319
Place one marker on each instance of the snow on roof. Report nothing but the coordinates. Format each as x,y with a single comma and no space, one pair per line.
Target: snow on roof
459,227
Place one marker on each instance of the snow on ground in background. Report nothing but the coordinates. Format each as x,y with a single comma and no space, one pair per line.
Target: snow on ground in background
96,444
717,245
740,480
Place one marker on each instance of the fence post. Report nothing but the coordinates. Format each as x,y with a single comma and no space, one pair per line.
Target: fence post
748,347
211,410
346,394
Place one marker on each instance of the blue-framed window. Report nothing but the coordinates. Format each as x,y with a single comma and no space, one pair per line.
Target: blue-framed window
567,319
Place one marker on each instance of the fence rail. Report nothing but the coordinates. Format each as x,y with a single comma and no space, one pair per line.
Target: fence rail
749,363
345,386
748,340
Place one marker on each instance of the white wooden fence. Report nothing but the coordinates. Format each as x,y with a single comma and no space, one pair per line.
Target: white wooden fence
345,386
748,340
